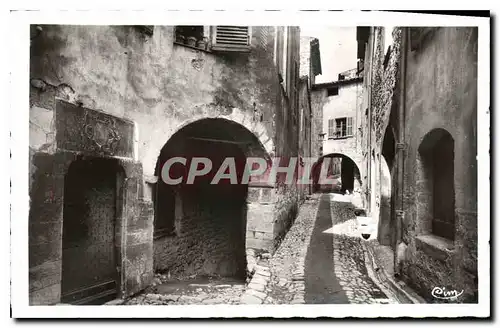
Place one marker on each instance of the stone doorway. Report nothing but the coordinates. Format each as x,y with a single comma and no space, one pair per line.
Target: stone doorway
201,227
89,257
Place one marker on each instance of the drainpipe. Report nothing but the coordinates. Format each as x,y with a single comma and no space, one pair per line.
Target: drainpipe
400,146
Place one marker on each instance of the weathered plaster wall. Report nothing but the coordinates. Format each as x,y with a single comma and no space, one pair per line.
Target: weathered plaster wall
150,80
305,56
381,87
346,104
442,93
162,87
318,99
305,132
287,131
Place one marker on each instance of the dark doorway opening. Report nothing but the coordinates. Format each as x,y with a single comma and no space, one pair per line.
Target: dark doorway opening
200,228
89,259
337,168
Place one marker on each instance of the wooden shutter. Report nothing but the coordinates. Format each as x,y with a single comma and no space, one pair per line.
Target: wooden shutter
349,126
331,128
231,38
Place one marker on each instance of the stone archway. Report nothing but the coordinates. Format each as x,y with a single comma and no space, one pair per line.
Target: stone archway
202,227
342,169
246,119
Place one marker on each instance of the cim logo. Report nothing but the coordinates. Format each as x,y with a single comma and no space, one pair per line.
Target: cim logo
443,294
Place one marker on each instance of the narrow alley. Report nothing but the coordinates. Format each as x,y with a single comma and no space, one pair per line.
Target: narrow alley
236,165
320,261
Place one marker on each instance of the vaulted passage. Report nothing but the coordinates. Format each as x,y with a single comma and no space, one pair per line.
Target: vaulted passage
341,171
89,263
200,228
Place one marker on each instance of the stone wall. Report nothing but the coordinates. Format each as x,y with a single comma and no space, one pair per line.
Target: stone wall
382,88
346,104
287,130
209,237
305,58
134,222
160,87
305,132
150,80
318,99
440,92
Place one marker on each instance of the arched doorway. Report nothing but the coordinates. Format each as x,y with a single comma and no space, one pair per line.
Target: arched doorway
92,202
201,224
341,173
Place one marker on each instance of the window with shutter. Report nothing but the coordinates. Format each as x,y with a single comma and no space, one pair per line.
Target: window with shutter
340,127
231,38
349,126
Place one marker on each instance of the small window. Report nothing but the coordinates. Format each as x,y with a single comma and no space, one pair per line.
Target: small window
340,127
333,91
341,77
164,201
189,35
216,38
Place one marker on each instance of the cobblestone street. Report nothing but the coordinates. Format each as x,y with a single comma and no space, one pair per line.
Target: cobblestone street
197,291
320,261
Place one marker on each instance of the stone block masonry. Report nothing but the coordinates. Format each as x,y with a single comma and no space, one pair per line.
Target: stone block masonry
102,92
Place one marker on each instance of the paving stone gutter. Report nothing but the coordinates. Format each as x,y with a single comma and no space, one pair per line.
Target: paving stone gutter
396,290
255,291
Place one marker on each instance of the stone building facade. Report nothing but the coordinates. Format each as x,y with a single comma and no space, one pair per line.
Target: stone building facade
421,107
109,105
340,103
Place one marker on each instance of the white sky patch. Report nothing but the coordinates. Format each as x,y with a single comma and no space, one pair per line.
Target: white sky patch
338,48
